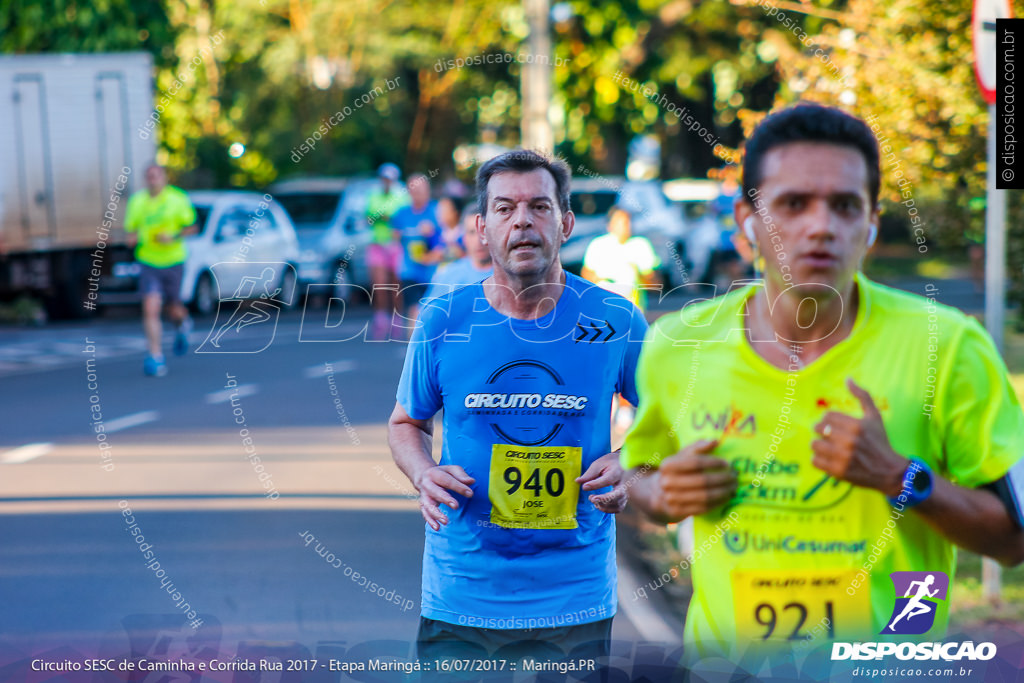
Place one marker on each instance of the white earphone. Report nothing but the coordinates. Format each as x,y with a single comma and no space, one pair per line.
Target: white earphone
748,231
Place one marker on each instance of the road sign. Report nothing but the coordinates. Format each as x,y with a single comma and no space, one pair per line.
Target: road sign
983,30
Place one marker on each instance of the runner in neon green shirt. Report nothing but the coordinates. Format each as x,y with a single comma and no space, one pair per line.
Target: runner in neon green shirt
160,217
384,255
160,221
787,430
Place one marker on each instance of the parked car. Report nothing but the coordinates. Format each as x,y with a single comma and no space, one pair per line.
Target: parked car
330,220
238,231
243,230
705,237
653,217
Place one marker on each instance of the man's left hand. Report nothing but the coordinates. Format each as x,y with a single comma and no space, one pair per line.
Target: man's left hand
858,451
605,471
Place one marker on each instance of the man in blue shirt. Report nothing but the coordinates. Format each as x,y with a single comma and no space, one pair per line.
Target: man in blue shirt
520,544
422,246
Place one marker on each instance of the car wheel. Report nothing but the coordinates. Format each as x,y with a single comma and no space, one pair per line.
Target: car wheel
676,269
204,298
289,288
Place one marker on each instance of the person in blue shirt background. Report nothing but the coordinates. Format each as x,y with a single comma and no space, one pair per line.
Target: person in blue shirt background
520,527
422,246
473,267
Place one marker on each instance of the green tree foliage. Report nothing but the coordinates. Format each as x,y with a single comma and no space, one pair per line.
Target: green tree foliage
909,69
28,26
270,74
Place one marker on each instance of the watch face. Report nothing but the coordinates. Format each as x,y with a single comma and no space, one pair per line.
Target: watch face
921,480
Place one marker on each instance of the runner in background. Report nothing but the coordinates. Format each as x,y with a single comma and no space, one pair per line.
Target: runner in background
384,254
158,219
620,261
451,230
422,247
473,267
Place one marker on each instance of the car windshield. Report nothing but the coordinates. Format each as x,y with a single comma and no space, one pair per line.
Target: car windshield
308,208
202,217
695,210
597,203
640,198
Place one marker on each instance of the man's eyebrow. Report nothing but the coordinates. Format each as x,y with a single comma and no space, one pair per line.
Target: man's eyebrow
844,194
538,198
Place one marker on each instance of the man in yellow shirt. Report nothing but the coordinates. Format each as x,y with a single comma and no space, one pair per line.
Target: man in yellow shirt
825,432
160,217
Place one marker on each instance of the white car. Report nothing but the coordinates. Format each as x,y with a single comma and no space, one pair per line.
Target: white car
252,238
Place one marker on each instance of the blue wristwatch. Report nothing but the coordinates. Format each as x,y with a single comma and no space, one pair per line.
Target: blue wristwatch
917,484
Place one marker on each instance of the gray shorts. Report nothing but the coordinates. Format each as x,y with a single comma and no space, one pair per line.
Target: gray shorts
163,281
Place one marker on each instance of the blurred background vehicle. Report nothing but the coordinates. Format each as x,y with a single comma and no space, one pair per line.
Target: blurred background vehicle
591,198
704,240
329,215
243,229
77,138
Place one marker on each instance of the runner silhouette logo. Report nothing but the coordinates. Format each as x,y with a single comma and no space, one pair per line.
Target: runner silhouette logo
251,296
918,595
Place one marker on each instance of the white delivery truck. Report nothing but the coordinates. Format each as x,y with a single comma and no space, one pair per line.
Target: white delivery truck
73,147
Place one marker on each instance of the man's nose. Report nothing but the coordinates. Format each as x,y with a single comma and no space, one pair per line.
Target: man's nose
521,218
822,220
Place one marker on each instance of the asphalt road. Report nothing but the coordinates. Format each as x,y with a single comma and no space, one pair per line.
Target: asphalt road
228,535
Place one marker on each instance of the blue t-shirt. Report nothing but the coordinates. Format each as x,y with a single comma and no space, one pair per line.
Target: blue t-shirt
456,274
531,397
415,244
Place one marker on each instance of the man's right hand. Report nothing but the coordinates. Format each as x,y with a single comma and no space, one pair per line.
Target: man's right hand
692,482
434,484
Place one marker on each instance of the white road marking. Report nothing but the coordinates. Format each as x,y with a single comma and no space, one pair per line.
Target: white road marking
133,420
25,453
324,369
226,395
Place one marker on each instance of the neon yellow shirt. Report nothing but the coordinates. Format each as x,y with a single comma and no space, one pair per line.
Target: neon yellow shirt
809,547
380,207
168,212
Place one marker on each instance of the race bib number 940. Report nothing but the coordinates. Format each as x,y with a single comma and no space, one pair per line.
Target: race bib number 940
534,488
795,605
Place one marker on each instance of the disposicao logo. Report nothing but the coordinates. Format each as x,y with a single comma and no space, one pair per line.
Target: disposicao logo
917,597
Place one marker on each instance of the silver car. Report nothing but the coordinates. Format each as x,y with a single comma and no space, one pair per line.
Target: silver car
330,221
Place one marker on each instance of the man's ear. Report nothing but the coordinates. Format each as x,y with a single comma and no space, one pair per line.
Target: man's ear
479,224
568,223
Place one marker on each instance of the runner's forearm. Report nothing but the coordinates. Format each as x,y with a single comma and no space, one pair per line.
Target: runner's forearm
974,519
411,448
